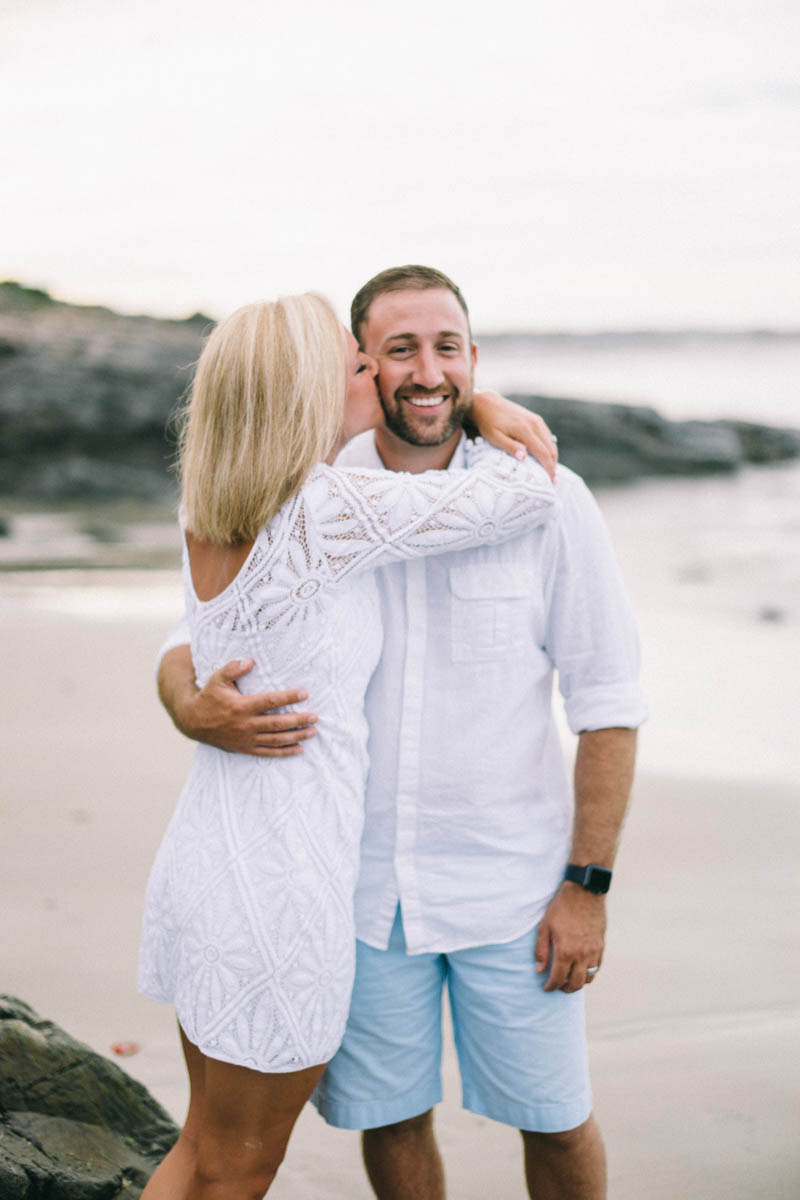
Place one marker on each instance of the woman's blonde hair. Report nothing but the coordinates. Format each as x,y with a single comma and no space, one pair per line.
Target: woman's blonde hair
265,406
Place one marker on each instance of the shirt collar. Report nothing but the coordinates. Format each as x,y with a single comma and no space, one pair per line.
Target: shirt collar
457,463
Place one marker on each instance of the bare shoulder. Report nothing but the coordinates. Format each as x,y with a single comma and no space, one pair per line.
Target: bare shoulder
213,565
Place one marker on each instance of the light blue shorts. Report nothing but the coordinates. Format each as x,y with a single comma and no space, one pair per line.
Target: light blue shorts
521,1050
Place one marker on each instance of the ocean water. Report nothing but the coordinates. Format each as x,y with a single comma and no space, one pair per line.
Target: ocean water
689,376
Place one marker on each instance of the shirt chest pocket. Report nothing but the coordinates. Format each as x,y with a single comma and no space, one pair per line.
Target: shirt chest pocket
491,608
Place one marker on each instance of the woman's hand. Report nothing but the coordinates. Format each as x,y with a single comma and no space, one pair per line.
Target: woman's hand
514,429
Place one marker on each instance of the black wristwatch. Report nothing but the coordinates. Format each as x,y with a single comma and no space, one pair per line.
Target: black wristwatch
593,878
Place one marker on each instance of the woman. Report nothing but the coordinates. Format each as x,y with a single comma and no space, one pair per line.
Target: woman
248,920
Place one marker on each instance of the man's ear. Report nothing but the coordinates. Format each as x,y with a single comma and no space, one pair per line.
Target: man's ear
474,354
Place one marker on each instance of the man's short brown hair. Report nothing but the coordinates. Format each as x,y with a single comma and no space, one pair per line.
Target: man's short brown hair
412,278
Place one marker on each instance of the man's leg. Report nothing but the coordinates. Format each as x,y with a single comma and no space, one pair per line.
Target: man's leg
403,1161
570,1164
386,1077
522,1054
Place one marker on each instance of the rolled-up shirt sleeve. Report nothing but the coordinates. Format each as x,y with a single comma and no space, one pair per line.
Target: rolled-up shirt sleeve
591,634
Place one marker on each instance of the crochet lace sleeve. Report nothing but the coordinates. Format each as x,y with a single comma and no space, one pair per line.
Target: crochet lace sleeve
364,518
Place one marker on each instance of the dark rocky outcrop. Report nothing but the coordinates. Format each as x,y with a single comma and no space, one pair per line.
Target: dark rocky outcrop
73,1126
614,443
86,397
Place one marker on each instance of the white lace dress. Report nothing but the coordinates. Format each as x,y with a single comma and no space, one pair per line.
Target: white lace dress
248,922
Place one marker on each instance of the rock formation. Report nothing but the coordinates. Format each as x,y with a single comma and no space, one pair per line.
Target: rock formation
86,396
73,1126
614,443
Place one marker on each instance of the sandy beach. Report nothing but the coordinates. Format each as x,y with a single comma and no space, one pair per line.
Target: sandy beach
695,1018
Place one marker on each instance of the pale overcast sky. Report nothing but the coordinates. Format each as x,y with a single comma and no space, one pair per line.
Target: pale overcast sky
578,165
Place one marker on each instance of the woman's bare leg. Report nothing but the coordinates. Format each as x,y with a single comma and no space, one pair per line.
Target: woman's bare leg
171,1179
247,1120
236,1130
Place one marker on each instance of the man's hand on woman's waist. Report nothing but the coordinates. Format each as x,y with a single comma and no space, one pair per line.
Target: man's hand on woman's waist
222,716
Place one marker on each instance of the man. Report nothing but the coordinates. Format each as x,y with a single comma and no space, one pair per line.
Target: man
469,814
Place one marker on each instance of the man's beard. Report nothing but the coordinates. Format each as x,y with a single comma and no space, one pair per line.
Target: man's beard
402,422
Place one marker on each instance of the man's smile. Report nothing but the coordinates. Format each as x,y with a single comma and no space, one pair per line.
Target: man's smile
426,401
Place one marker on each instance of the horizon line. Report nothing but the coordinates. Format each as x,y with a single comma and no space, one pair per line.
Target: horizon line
756,329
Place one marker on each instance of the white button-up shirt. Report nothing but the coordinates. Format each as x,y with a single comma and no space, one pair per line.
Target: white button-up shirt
469,807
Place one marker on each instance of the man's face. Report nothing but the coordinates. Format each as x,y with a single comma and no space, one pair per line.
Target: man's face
426,361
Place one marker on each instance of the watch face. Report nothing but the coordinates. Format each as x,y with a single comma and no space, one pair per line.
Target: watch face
598,879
